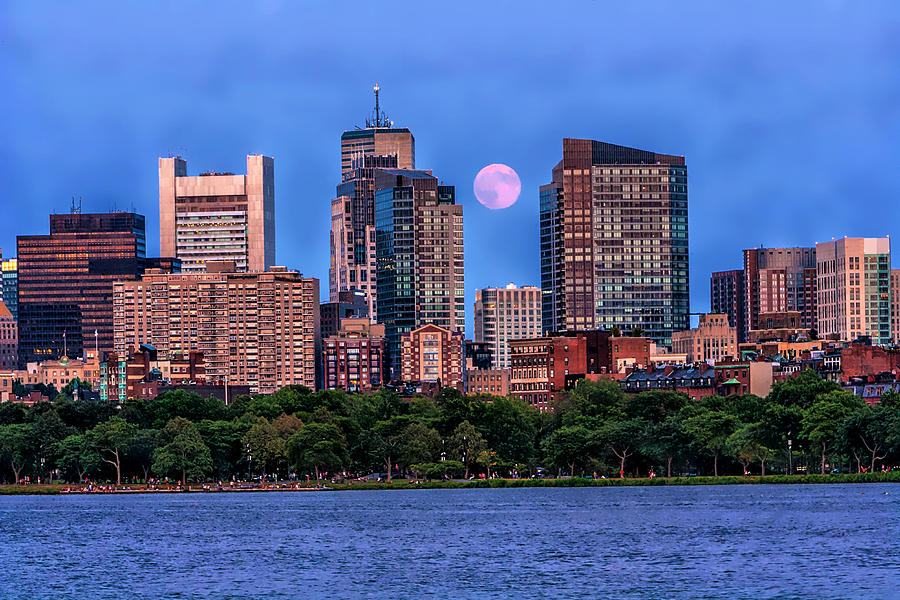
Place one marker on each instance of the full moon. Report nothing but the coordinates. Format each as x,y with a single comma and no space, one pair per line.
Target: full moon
497,186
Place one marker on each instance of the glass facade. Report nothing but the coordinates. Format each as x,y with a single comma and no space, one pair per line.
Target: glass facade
419,256
65,282
614,241
10,273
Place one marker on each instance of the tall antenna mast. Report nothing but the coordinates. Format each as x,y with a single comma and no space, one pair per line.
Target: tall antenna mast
377,109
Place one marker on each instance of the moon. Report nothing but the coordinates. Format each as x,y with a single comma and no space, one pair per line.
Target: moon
497,186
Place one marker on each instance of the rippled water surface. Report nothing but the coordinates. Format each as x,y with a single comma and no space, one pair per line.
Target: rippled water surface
830,541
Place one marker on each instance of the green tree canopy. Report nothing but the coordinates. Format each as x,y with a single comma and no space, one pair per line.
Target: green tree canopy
317,447
182,452
77,456
112,438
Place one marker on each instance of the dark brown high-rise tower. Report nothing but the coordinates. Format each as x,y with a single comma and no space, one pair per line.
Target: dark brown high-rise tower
614,241
66,282
379,146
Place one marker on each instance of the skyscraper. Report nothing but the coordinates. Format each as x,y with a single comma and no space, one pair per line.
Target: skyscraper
854,288
726,296
614,241
218,216
378,138
419,250
777,280
379,146
503,314
66,282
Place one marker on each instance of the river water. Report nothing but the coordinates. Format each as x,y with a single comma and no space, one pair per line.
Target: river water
744,541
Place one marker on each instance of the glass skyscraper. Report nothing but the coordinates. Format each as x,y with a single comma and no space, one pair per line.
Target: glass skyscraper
419,255
614,241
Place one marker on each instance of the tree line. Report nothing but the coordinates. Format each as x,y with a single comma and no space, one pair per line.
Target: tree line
805,424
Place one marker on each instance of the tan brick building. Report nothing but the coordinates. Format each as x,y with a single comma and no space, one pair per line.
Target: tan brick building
714,339
487,381
854,289
255,329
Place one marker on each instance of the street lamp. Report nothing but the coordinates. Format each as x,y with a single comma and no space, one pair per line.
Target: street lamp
790,458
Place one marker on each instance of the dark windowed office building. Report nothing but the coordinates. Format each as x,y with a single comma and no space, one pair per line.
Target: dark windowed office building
726,297
419,255
614,241
66,282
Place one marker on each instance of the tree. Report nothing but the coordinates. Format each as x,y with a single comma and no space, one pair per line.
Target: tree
16,446
590,404
182,451
487,458
287,424
622,439
264,445
318,446
465,444
419,444
223,438
180,403
568,447
385,443
746,445
510,427
822,421
48,430
710,429
77,456
143,445
664,441
112,438
872,425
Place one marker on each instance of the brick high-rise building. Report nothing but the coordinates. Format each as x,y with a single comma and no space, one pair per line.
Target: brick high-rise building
854,288
65,282
255,329
614,241
354,357
218,216
433,354
419,249
503,314
779,280
726,296
379,146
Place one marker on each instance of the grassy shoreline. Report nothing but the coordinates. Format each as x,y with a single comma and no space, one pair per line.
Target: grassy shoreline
892,477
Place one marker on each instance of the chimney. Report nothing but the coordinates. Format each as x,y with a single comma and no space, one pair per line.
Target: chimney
670,369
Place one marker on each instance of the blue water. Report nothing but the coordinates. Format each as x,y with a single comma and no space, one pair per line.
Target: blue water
829,541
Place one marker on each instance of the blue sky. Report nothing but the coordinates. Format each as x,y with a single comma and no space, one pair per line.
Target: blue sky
788,113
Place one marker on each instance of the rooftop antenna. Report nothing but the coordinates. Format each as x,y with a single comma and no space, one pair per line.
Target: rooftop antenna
381,119
377,109
76,206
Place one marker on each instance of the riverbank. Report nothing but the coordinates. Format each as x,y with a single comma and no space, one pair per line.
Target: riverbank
403,484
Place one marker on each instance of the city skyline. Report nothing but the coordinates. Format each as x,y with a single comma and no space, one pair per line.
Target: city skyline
737,109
